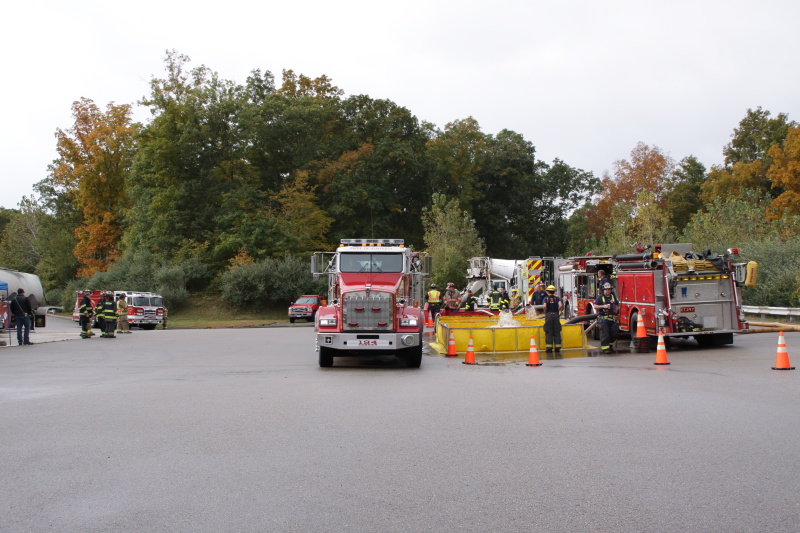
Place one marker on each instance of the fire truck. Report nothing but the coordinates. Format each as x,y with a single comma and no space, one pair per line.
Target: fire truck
671,290
375,288
145,309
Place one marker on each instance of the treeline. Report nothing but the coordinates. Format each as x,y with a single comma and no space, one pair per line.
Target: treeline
226,182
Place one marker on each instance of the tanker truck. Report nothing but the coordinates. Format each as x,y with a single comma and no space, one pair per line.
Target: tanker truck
32,286
375,288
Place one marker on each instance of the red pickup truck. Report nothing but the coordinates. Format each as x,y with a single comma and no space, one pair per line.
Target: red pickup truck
305,307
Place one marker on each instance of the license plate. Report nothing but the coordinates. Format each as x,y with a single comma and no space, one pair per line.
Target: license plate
367,343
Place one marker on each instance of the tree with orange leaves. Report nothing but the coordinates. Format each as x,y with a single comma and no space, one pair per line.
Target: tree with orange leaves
95,155
647,171
785,174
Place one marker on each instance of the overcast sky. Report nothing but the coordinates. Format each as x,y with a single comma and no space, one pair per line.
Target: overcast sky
584,81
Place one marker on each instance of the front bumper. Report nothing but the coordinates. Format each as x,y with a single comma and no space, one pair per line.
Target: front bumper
369,342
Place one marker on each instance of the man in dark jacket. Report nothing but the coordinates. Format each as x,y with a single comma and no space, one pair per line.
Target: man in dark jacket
21,309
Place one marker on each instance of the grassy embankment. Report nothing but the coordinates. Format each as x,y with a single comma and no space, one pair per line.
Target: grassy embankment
205,312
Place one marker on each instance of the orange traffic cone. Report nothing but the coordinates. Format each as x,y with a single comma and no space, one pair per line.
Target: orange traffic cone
451,346
429,320
470,357
533,357
642,342
782,358
661,352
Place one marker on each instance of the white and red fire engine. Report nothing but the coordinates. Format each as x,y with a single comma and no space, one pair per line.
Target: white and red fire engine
145,309
671,289
375,288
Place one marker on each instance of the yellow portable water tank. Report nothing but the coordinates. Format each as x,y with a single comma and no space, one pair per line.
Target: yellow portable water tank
752,274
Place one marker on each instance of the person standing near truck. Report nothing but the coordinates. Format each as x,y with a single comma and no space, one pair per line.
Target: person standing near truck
434,301
607,307
122,315
552,323
22,311
109,313
452,298
86,312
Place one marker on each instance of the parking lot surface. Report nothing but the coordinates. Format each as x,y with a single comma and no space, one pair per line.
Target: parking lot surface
240,430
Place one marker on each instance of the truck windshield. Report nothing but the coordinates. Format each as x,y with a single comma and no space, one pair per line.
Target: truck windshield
147,301
370,262
307,300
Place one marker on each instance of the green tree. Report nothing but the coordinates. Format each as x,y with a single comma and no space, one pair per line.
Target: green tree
683,195
451,239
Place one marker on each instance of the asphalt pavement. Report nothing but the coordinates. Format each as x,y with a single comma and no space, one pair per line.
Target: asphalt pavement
240,430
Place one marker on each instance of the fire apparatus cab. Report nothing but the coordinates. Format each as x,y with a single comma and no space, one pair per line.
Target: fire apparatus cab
578,283
375,288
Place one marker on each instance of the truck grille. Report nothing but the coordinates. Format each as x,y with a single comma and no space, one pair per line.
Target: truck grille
368,312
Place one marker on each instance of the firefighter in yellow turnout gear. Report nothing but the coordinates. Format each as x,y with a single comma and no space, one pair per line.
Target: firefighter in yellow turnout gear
122,315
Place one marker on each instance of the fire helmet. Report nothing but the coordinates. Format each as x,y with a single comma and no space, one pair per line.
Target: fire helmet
550,288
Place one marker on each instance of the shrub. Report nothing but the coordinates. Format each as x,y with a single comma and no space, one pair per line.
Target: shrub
269,281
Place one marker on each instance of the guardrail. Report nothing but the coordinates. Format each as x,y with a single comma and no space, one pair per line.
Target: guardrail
790,312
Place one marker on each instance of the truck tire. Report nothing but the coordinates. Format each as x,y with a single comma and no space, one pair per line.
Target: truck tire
313,317
291,320
325,357
414,356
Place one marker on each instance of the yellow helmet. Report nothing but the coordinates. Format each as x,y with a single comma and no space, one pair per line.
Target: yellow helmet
550,288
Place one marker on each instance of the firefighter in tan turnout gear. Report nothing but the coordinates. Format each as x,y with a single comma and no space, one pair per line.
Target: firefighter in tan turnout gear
122,315
452,298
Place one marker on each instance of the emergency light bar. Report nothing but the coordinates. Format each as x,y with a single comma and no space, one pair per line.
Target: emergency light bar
372,242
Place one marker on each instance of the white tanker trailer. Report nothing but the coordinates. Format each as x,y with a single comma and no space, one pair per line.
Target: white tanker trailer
32,286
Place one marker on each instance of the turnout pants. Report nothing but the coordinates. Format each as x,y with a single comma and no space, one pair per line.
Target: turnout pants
609,331
552,331
86,325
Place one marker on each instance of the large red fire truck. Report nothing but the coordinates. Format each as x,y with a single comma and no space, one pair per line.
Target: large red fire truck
375,288
671,289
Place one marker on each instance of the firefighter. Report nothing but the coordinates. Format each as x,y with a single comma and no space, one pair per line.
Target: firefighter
538,296
452,298
516,300
495,299
607,306
505,301
552,323
470,302
434,301
164,324
86,312
122,315
109,313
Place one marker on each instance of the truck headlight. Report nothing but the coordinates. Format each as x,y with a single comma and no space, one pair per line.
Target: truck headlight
328,322
410,322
